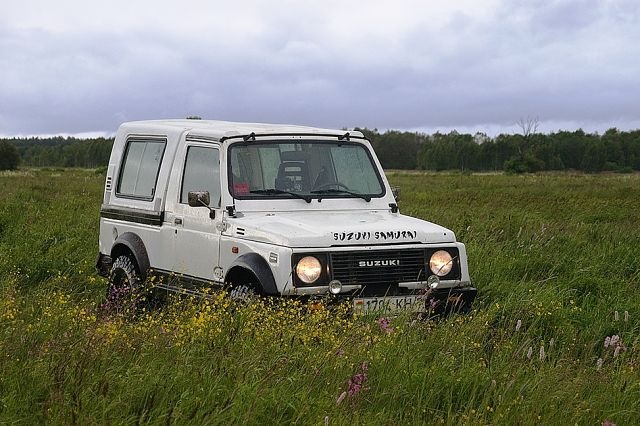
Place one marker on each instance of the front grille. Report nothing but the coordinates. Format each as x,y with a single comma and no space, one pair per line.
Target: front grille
379,272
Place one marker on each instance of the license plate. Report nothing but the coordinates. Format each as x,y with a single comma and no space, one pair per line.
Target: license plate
385,305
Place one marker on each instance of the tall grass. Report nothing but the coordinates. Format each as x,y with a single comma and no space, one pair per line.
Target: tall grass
553,256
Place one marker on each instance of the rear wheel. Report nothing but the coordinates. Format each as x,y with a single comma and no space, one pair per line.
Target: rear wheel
124,283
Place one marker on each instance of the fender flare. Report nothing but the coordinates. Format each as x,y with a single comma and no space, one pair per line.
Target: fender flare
135,245
259,267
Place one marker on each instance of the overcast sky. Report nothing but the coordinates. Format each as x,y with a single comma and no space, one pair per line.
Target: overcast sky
74,66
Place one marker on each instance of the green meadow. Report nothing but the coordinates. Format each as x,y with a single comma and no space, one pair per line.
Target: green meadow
552,339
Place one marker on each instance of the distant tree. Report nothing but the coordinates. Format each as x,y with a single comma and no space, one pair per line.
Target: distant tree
9,156
570,146
612,144
594,157
528,163
529,126
396,150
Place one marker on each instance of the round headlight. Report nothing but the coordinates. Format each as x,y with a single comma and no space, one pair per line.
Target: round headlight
308,269
441,263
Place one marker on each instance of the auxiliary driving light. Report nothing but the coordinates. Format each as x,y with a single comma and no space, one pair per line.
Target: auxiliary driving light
433,281
335,287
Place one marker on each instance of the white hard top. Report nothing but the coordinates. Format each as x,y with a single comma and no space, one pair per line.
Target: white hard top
226,129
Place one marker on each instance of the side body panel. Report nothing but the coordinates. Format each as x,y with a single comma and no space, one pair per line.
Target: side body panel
192,236
121,214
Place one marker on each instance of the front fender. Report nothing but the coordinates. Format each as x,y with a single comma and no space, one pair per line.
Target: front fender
258,266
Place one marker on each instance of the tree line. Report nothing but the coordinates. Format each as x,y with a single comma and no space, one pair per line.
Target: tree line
518,153
614,150
61,151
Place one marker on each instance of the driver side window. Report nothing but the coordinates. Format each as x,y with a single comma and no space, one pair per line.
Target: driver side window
202,173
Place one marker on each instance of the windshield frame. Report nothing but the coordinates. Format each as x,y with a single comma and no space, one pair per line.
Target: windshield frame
296,140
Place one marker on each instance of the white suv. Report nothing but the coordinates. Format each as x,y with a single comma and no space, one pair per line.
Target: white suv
270,209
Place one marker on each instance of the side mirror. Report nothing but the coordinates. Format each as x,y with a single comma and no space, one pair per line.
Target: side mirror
199,198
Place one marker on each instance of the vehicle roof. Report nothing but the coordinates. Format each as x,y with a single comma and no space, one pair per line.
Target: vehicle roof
229,129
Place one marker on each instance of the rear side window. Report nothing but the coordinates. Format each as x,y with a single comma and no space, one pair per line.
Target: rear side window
202,173
140,166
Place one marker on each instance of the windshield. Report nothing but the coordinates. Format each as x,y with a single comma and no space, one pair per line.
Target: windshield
313,169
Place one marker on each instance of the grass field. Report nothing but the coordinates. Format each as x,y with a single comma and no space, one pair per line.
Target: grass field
553,338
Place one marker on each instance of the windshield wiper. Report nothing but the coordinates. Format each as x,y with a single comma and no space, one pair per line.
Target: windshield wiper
273,191
367,198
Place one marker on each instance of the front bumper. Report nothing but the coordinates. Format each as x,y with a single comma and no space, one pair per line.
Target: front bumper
435,301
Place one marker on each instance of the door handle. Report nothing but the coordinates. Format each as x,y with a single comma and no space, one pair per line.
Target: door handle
177,221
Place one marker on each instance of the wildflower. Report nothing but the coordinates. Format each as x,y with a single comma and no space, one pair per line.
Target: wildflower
626,316
341,397
608,423
551,342
542,353
357,382
383,322
518,325
599,364
615,339
326,420
616,317
529,352
615,343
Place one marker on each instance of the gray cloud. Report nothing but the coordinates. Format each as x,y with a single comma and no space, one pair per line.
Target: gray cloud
410,66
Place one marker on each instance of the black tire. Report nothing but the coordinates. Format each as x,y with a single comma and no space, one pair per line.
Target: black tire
124,282
242,292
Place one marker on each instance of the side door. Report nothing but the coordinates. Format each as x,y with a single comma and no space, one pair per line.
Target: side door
196,234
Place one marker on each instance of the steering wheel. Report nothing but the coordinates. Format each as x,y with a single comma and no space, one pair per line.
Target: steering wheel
330,184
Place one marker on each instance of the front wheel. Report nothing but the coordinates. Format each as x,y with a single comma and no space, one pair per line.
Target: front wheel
242,292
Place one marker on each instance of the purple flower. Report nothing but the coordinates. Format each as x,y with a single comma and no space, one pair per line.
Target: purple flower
614,342
615,339
357,383
383,322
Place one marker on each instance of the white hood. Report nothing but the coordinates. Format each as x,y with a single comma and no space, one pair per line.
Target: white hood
325,229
